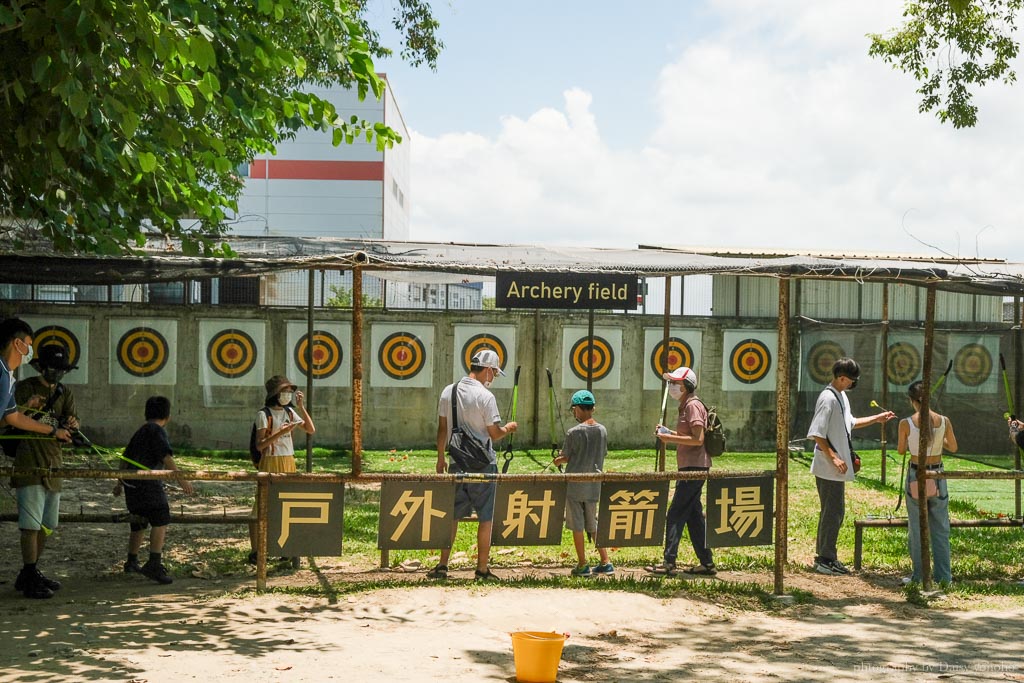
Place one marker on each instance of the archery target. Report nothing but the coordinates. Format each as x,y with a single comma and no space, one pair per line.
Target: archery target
469,339
143,351
973,364
602,359
904,363
72,334
332,366
749,360
819,352
683,349
231,352
402,355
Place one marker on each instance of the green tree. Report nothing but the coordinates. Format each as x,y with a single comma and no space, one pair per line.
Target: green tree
341,297
951,47
122,116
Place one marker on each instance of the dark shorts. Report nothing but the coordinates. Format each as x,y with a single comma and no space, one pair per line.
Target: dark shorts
157,515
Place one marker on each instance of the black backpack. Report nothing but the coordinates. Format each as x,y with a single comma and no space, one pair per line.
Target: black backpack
714,432
254,452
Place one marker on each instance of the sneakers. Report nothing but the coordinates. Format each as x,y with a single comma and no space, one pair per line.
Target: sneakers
604,569
582,570
32,584
156,572
830,567
439,572
132,567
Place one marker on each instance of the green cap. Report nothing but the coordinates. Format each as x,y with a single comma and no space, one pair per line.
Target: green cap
582,398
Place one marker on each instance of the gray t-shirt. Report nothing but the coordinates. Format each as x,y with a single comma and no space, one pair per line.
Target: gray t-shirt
477,410
585,446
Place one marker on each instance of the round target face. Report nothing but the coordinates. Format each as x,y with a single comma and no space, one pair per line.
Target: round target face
600,361
55,334
750,361
231,353
327,354
401,355
142,352
478,343
679,354
904,363
972,365
821,358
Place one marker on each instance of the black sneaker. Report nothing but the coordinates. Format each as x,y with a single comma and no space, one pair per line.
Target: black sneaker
52,584
157,572
132,567
22,582
25,580
32,587
839,568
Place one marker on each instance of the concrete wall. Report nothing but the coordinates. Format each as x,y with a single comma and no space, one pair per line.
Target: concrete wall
405,417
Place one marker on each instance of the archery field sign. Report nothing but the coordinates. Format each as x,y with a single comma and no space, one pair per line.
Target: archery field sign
582,291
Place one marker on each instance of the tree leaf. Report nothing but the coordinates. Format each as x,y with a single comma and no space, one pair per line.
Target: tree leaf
147,161
185,95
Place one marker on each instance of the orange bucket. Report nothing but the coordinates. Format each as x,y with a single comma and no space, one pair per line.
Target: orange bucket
536,655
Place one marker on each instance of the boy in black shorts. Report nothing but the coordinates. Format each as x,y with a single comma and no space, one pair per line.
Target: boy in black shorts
149,449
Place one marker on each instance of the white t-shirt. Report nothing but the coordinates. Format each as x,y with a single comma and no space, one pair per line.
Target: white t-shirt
477,409
278,418
833,421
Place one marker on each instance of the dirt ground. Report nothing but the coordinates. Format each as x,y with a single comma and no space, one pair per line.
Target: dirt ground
104,626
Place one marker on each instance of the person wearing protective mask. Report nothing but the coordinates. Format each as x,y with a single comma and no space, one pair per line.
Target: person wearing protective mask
16,349
478,416
686,509
49,403
284,410
832,465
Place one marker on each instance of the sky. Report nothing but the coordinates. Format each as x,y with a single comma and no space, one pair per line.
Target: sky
727,123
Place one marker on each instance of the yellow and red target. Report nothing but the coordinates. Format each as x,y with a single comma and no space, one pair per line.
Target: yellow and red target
679,354
231,353
327,354
55,334
821,358
750,361
142,352
972,365
904,362
478,343
401,355
599,361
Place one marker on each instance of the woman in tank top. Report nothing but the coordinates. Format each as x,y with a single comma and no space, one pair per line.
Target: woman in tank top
940,437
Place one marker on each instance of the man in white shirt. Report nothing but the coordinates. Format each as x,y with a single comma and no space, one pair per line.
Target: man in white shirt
478,416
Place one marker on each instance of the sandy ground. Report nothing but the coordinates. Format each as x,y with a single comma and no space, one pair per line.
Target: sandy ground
104,626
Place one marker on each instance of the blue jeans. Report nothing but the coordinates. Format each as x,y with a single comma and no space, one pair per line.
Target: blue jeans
686,510
938,529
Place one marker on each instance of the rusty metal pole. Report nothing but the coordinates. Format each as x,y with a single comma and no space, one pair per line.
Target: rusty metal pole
665,334
885,370
309,365
782,439
590,350
923,444
262,511
1018,361
357,371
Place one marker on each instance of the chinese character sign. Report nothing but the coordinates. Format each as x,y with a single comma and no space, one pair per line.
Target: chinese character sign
415,515
529,513
740,512
632,513
305,519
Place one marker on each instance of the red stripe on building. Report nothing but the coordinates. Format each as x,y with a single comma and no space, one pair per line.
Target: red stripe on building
284,169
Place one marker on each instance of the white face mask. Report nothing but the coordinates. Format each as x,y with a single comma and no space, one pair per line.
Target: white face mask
26,357
285,397
488,382
675,391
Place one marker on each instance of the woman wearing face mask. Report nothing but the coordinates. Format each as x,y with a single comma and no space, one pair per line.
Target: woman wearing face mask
283,411
691,456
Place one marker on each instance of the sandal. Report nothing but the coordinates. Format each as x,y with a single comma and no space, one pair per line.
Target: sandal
485,575
702,569
438,572
664,569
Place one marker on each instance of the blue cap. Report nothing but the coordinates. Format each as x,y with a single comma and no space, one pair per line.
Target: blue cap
582,398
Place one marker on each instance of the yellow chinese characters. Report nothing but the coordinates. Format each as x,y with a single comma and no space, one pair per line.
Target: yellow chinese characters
522,510
742,513
632,513
292,502
408,506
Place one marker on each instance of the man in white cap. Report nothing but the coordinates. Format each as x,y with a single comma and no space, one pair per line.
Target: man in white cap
691,456
478,417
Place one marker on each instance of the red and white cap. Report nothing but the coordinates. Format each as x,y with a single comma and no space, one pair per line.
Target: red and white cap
682,374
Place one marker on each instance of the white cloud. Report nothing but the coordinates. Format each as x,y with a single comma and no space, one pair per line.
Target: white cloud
776,131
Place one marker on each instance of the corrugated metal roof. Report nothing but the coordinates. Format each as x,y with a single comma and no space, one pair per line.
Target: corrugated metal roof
481,261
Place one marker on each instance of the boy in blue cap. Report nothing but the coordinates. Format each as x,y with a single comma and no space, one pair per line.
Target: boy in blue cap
585,448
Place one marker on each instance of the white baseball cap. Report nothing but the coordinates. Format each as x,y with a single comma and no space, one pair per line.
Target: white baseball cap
682,374
487,359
